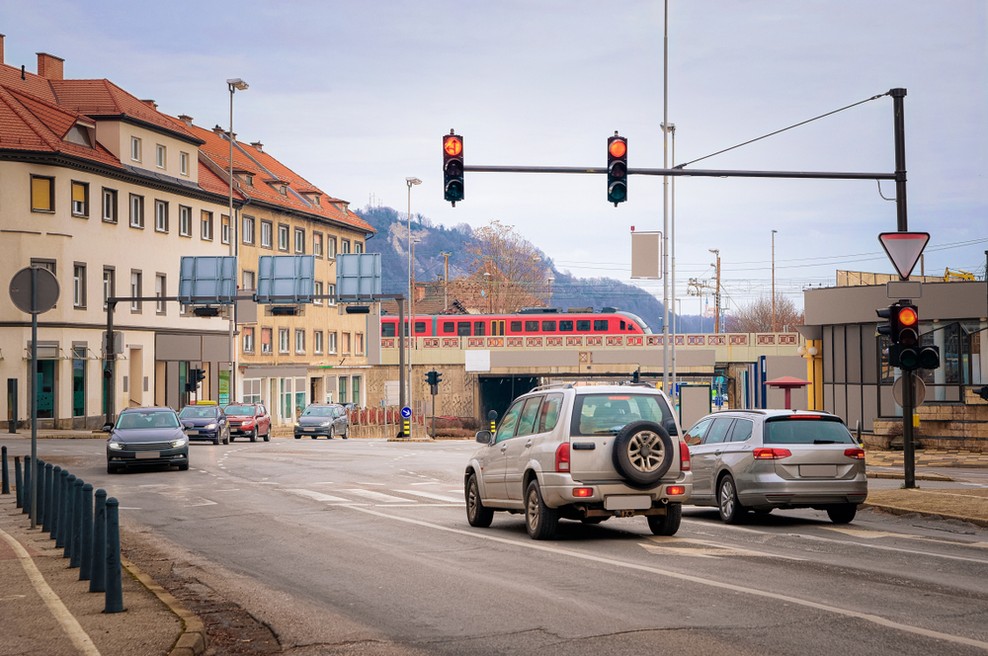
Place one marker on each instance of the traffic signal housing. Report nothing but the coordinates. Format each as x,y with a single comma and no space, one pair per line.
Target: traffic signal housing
453,167
195,377
902,329
433,378
617,169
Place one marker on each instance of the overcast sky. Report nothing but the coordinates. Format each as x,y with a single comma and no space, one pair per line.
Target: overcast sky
355,96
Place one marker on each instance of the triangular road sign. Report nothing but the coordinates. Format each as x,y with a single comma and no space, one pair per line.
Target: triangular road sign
904,249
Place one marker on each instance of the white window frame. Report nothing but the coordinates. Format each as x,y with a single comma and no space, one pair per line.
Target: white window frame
248,344
224,229
109,284
160,289
206,225
267,234
79,285
137,211
184,221
161,215
183,163
110,206
317,342
282,340
331,292
135,149
160,156
331,342
136,285
283,237
300,341
317,292
300,241
248,230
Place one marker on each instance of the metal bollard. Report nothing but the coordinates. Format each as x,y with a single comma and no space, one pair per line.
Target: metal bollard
56,499
69,515
39,476
86,539
114,582
26,497
75,540
49,500
63,515
4,475
18,482
97,579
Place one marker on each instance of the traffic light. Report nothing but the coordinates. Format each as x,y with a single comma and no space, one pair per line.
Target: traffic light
453,167
905,341
617,169
430,377
195,377
433,378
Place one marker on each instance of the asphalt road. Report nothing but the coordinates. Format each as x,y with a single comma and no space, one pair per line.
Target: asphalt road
362,547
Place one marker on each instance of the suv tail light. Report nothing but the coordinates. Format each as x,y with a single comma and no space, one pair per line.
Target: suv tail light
770,454
685,464
856,453
562,457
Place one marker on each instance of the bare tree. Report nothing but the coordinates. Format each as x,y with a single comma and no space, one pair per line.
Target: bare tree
757,317
507,272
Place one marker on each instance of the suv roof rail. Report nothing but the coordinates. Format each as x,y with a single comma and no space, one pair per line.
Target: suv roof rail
547,386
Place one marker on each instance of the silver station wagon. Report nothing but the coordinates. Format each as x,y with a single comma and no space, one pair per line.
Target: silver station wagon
760,460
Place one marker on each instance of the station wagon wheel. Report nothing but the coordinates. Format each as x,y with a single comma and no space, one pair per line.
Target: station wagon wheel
842,513
477,514
642,453
731,510
540,520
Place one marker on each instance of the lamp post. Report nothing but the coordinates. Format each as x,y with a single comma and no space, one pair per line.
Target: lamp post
716,251
670,128
773,280
411,302
234,84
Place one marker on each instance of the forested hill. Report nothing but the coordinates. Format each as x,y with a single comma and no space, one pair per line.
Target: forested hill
433,240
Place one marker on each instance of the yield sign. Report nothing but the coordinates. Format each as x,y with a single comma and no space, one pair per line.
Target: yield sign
904,249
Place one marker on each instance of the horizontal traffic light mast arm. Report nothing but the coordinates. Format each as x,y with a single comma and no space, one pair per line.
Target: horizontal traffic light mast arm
699,173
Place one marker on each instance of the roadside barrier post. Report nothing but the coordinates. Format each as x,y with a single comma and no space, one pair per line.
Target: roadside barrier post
97,580
26,497
63,517
76,539
4,475
114,583
86,538
18,482
39,487
56,498
49,499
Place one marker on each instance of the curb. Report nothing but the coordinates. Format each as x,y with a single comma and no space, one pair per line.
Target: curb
192,642
899,510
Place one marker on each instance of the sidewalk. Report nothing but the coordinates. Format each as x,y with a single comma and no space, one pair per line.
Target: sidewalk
47,610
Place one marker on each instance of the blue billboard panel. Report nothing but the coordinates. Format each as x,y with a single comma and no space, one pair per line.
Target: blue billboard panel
358,276
285,279
207,280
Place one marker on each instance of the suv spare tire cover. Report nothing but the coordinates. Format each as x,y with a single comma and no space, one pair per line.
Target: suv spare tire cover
642,453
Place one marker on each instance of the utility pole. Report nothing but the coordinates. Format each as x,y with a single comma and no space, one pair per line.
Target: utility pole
445,279
716,251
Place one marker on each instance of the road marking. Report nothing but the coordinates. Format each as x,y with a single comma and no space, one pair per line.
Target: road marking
699,580
431,495
706,549
374,495
317,496
915,552
69,623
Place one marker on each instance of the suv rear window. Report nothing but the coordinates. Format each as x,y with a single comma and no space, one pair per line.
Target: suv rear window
806,430
604,414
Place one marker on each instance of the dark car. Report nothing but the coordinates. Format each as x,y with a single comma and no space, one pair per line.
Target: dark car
205,422
328,419
248,420
144,437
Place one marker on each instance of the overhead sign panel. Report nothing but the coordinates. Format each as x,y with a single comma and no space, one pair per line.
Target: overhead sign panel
285,279
646,253
358,276
904,249
207,280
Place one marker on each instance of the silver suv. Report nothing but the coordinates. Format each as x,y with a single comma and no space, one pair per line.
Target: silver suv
583,452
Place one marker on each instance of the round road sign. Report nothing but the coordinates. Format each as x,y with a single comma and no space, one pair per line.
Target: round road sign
919,389
34,290
406,412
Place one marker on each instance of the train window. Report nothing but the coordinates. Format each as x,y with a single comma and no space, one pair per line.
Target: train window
583,325
463,328
478,328
419,327
516,326
448,328
600,325
388,329
497,327
548,326
531,326
623,326
566,326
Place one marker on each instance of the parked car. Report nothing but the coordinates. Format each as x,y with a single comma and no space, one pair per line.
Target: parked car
205,422
329,419
144,437
760,460
248,420
583,452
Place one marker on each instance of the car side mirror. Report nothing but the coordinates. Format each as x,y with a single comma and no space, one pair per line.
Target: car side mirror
485,437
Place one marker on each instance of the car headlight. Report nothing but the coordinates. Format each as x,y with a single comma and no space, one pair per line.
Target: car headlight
326,423
113,445
211,426
179,442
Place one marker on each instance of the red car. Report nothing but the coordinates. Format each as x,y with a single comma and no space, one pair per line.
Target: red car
249,420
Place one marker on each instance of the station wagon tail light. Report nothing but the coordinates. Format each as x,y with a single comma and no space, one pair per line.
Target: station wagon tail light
562,457
676,490
685,464
856,453
770,454
582,492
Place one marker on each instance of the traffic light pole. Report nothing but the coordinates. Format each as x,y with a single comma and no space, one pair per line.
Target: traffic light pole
908,452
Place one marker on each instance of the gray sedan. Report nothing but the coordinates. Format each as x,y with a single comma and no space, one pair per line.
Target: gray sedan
760,460
146,436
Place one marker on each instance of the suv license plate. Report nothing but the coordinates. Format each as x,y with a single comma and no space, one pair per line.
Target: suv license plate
626,502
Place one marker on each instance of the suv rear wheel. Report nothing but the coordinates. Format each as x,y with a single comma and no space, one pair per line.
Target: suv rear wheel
669,523
642,453
477,515
540,520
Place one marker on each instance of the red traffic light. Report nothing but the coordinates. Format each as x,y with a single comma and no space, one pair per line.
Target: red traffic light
908,316
617,148
452,145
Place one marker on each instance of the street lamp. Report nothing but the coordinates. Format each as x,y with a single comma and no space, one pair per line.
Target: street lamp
234,84
670,128
411,305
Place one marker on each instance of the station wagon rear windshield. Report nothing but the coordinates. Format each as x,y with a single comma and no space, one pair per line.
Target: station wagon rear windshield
606,414
806,430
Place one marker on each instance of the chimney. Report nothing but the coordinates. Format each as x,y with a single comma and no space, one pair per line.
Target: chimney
257,145
50,66
150,103
185,118
1,47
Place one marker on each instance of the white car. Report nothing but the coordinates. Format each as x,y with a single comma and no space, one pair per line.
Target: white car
583,452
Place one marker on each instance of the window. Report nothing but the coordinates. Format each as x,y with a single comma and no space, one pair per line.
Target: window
282,237
42,194
160,290
109,205
300,240
317,244
331,342
331,292
358,343
266,230
80,199
161,216
344,246
355,384
249,280
225,229
136,211
184,221
266,340
299,341
248,230
316,293
317,342
135,149
183,163
160,156
136,285
282,340
109,284
207,225
248,345
342,387
79,285
346,343
330,247
358,247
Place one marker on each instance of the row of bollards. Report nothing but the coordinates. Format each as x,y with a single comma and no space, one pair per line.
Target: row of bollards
89,534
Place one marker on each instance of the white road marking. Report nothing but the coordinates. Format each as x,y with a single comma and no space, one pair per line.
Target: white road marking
374,495
707,549
431,495
915,552
317,496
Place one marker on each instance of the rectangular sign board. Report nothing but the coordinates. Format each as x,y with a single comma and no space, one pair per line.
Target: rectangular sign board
358,276
207,280
646,253
285,279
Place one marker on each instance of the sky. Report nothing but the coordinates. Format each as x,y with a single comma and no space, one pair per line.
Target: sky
355,96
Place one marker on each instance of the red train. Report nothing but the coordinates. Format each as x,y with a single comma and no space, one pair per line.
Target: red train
537,321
